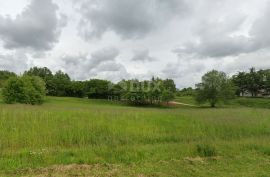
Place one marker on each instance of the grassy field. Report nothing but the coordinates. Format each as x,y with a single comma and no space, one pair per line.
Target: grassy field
238,102
73,137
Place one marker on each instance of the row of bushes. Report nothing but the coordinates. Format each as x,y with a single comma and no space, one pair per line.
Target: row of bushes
38,82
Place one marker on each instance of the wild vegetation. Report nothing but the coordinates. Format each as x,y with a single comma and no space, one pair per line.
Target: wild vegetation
26,89
111,139
60,84
255,83
96,137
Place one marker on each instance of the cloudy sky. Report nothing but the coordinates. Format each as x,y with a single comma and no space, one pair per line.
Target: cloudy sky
123,39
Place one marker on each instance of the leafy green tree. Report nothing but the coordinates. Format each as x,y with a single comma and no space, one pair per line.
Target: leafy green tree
98,89
167,96
44,73
60,84
241,82
255,81
27,90
76,89
4,76
152,91
267,81
136,97
215,87
169,85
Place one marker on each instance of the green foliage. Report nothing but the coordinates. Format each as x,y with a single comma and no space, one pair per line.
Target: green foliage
215,87
253,82
169,85
45,74
167,96
98,89
76,89
60,84
4,76
185,92
26,89
148,92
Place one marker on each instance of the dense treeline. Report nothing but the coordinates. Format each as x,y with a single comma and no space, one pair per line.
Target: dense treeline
253,83
60,84
215,86
154,91
218,87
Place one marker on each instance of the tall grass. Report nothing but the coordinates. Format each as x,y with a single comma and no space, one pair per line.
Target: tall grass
81,131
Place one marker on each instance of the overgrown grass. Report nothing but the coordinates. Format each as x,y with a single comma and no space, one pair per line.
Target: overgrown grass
237,102
135,141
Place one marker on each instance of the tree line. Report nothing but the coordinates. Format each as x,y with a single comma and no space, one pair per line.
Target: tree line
217,87
35,83
252,83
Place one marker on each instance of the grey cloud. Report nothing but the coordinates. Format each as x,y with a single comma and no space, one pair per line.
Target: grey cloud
16,62
260,30
106,54
142,55
100,64
127,18
259,60
215,38
37,27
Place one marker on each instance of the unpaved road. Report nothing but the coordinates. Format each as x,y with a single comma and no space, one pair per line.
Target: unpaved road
183,104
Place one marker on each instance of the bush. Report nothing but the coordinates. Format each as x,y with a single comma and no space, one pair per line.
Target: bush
26,89
4,76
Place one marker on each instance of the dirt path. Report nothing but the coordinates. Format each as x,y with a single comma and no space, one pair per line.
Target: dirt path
183,104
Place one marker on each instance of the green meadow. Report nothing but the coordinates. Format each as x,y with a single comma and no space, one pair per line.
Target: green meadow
81,137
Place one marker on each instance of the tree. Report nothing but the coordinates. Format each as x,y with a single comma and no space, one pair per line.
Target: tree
98,89
169,85
44,73
255,81
167,96
60,84
152,91
241,82
76,89
267,81
215,87
4,76
26,89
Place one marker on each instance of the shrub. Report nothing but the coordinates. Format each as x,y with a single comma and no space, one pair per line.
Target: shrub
26,89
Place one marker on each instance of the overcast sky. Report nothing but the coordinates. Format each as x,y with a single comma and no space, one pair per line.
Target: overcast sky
123,39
